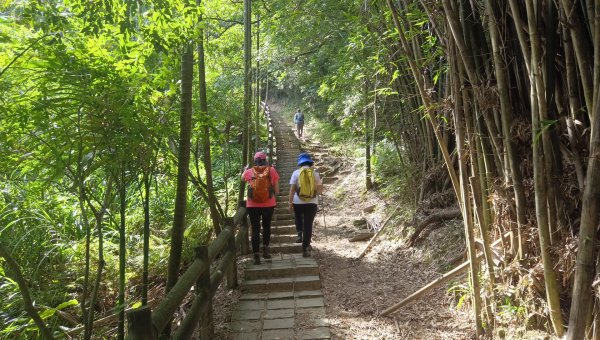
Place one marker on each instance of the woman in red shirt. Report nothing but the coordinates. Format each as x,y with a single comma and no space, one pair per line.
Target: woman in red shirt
261,206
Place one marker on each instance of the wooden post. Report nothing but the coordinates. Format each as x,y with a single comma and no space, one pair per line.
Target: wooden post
246,241
245,244
206,325
139,324
270,146
232,281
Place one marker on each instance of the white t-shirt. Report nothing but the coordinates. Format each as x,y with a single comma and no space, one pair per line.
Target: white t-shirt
294,181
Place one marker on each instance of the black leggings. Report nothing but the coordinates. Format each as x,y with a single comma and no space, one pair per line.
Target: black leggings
305,216
255,215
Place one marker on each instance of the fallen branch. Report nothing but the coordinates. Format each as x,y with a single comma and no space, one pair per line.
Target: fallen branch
102,322
436,217
105,321
362,237
372,242
432,285
437,282
64,316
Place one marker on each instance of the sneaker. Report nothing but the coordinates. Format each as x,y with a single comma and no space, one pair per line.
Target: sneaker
306,253
256,258
266,253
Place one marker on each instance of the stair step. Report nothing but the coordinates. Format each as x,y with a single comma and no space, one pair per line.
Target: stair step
299,294
283,238
282,215
263,271
303,283
282,222
282,211
283,229
286,248
282,204
328,180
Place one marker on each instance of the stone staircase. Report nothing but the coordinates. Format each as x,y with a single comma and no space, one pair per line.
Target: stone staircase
285,273
281,297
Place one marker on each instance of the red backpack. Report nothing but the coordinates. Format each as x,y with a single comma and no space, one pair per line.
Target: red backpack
260,189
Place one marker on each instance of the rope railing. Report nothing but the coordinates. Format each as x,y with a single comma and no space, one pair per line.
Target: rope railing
145,323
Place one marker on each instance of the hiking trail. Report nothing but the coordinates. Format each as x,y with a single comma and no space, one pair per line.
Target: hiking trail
331,295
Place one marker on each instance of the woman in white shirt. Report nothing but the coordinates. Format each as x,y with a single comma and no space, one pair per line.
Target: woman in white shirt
305,208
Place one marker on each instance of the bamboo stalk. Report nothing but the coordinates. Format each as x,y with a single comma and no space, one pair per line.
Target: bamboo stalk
437,282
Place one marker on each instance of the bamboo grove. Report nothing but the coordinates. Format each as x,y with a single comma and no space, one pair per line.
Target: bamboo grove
514,110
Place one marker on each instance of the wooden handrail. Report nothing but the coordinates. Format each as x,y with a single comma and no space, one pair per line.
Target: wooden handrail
200,303
147,324
165,310
271,147
226,245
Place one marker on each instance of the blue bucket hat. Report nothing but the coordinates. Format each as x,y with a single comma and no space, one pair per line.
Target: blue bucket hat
304,158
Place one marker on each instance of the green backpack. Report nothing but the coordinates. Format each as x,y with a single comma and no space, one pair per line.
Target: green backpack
307,185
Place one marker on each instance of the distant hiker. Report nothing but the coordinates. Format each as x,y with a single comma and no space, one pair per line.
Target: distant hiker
299,121
305,184
263,185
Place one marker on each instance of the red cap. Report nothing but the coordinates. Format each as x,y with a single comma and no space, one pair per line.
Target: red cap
260,155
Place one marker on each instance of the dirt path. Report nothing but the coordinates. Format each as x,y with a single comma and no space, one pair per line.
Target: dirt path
356,292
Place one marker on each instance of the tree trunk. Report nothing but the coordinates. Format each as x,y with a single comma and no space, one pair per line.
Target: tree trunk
368,182
14,272
590,216
88,237
540,172
582,46
466,205
466,55
478,197
205,119
432,117
183,163
146,250
574,107
247,89
257,89
122,255
506,116
99,216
